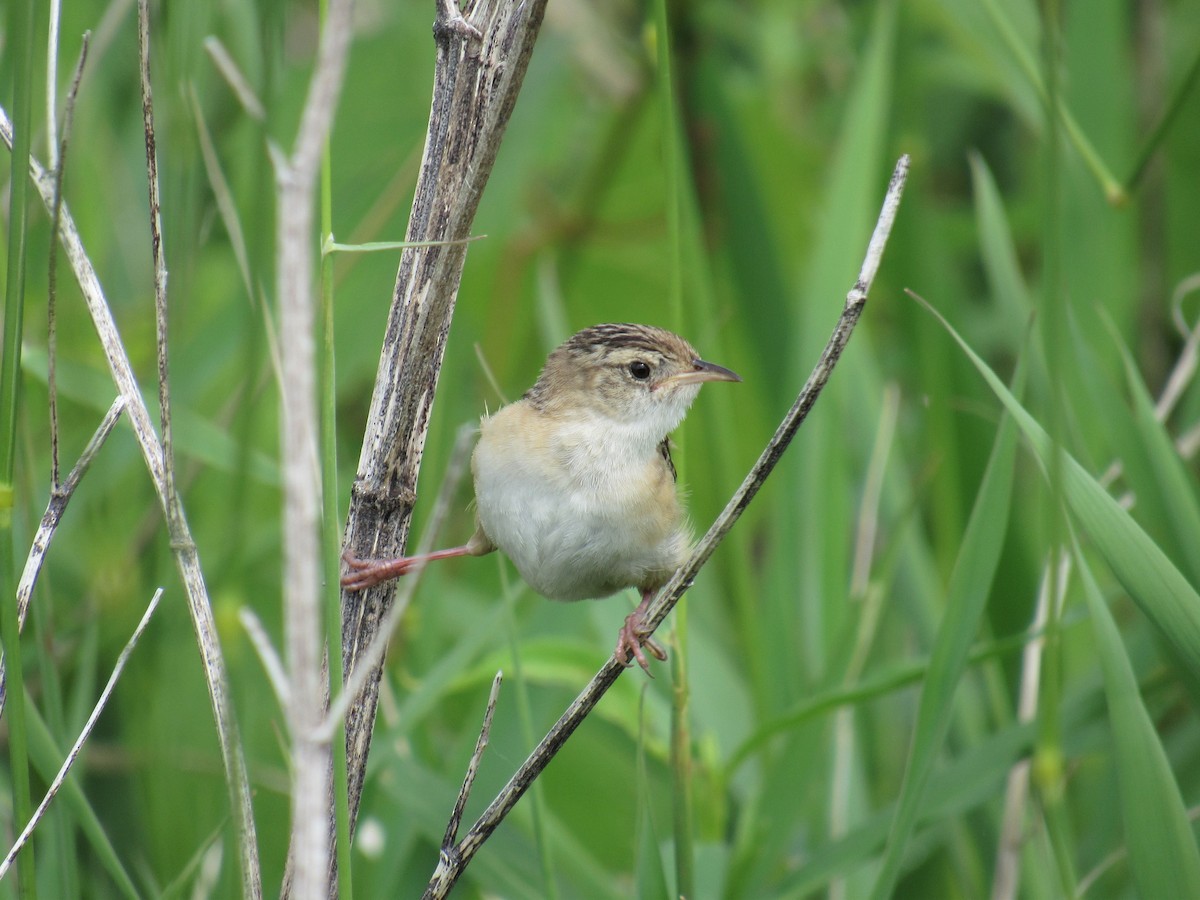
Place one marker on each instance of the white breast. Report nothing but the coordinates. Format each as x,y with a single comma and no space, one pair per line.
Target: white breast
578,507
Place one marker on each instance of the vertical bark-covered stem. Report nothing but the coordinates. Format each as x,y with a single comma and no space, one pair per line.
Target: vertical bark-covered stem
483,49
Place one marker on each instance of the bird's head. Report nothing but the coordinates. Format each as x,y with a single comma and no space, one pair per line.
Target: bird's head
633,374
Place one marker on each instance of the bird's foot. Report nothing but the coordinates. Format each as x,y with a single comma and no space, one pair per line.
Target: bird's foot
630,641
366,573
450,21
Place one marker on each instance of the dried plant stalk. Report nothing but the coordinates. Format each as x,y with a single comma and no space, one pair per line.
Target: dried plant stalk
480,66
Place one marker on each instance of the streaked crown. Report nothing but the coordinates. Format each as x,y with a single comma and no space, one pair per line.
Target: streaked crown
630,373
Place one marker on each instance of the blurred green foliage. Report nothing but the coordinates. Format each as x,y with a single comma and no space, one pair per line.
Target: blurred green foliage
811,632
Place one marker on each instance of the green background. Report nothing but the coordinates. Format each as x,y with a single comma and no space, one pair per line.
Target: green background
854,650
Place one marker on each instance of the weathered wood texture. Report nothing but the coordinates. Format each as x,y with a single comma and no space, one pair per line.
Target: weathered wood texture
479,70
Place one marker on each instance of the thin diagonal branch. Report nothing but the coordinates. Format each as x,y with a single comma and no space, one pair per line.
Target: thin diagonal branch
464,792
60,496
88,727
454,860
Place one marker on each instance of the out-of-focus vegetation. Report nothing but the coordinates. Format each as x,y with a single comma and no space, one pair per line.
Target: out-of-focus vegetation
855,651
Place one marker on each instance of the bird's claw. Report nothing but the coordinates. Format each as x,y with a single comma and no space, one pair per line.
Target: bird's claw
450,21
630,642
366,573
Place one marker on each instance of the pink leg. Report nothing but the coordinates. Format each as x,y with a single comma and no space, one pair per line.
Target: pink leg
365,573
631,638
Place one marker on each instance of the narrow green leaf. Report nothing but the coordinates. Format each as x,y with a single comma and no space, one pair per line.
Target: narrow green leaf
648,863
1174,484
967,782
1153,582
881,684
332,246
967,596
1162,848
998,252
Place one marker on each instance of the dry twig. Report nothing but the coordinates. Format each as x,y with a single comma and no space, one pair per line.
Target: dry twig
58,164
60,496
84,734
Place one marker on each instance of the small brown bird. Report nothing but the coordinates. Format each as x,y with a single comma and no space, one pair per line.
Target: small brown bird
574,481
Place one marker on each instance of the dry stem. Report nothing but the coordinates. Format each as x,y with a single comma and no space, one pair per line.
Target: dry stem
84,734
296,178
186,557
60,496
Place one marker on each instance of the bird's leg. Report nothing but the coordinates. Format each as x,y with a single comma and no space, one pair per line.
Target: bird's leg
365,573
631,638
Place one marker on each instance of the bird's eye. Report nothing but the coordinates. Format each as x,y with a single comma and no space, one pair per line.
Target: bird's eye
639,370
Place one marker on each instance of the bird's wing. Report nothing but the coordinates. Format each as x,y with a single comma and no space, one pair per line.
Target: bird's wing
664,450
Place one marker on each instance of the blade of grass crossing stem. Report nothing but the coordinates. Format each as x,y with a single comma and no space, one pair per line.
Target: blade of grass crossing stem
1122,434
1158,588
20,39
970,584
1162,848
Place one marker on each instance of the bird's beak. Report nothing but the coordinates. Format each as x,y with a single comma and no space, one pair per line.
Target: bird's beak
702,371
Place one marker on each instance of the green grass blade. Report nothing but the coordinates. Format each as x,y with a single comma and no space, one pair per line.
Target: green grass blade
998,253
1025,59
1162,848
1153,582
648,864
19,40
881,684
967,596
1171,480
1155,141
331,529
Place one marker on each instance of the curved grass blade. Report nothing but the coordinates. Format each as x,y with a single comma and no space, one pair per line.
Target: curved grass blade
1162,849
1144,570
970,585
1171,480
